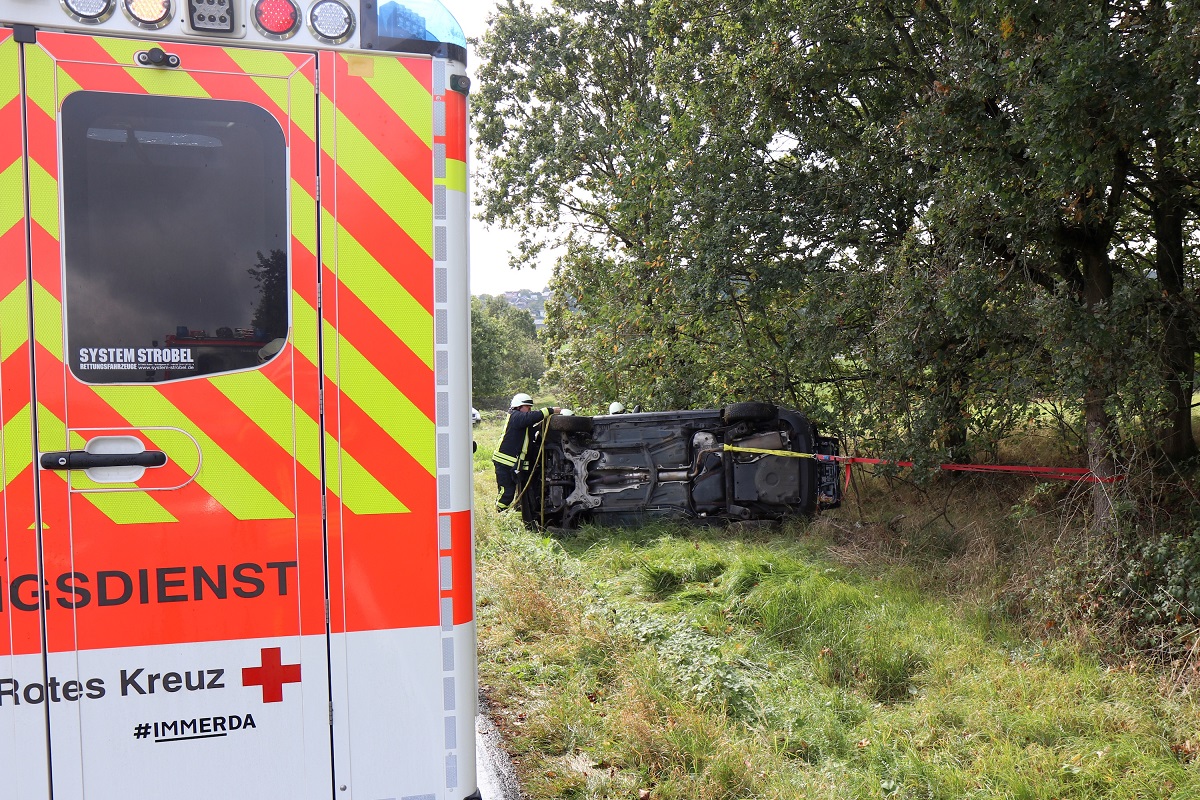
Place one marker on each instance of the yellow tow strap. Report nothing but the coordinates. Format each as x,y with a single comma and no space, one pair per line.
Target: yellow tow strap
788,453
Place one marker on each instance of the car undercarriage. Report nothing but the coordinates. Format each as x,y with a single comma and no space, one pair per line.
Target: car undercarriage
747,461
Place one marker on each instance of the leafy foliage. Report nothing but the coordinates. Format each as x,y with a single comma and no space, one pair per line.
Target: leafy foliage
270,274
1162,589
506,356
920,220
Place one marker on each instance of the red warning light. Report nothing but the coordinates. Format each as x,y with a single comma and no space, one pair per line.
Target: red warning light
277,18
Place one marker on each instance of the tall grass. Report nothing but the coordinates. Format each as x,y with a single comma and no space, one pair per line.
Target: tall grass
719,664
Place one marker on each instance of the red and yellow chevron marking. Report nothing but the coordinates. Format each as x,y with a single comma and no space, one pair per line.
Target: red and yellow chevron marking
376,116
256,494
255,499
18,635
455,141
92,68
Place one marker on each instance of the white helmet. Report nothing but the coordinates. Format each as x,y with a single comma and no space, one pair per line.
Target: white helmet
520,399
615,407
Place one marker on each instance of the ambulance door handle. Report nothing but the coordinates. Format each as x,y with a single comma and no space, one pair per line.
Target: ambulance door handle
81,459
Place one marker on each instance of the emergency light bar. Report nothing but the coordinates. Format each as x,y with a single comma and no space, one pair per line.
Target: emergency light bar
395,26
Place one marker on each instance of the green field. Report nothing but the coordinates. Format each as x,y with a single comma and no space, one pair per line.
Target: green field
848,658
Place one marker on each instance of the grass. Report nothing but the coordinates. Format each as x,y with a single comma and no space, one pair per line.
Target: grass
843,659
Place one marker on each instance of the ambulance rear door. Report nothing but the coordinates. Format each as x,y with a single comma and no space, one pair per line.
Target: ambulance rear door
172,196
23,753
398,458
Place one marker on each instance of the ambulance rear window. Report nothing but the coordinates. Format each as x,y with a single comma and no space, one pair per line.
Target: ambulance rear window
175,236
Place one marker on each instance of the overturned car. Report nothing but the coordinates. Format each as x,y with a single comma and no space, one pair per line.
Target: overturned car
747,461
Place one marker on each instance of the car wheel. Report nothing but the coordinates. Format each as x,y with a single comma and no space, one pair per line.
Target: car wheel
571,424
749,412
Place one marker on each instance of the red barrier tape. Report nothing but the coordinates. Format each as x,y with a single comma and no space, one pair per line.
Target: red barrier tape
1078,474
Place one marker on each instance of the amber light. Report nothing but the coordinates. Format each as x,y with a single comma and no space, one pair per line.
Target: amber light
279,18
149,13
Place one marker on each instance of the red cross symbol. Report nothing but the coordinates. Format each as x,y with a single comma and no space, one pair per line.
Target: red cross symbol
272,675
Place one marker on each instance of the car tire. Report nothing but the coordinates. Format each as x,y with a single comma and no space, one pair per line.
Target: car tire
570,424
749,412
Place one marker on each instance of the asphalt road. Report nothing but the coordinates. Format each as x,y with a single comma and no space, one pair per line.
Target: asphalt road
497,780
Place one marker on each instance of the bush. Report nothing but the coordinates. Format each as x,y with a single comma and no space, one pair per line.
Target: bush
1161,591
1135,591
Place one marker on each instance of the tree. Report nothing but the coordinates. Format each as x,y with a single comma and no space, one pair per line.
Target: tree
270,275
918,218
505,353
1047,116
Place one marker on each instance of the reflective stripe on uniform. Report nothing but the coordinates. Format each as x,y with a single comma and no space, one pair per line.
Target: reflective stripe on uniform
519,460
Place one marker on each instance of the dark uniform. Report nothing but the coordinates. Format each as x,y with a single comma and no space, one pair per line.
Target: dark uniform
512,453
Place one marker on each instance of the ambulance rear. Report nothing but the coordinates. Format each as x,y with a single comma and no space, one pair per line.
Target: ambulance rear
235,459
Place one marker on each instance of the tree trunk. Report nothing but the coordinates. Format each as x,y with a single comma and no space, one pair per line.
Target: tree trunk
1179,354
951,388
1098,291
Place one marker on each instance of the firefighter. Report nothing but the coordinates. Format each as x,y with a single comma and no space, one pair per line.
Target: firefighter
512,452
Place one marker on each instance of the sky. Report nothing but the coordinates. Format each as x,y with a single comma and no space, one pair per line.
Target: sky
491,246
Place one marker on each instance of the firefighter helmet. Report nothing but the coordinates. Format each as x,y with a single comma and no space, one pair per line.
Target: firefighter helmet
520,399
616,407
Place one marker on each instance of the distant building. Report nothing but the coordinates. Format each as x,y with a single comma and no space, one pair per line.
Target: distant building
532,301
